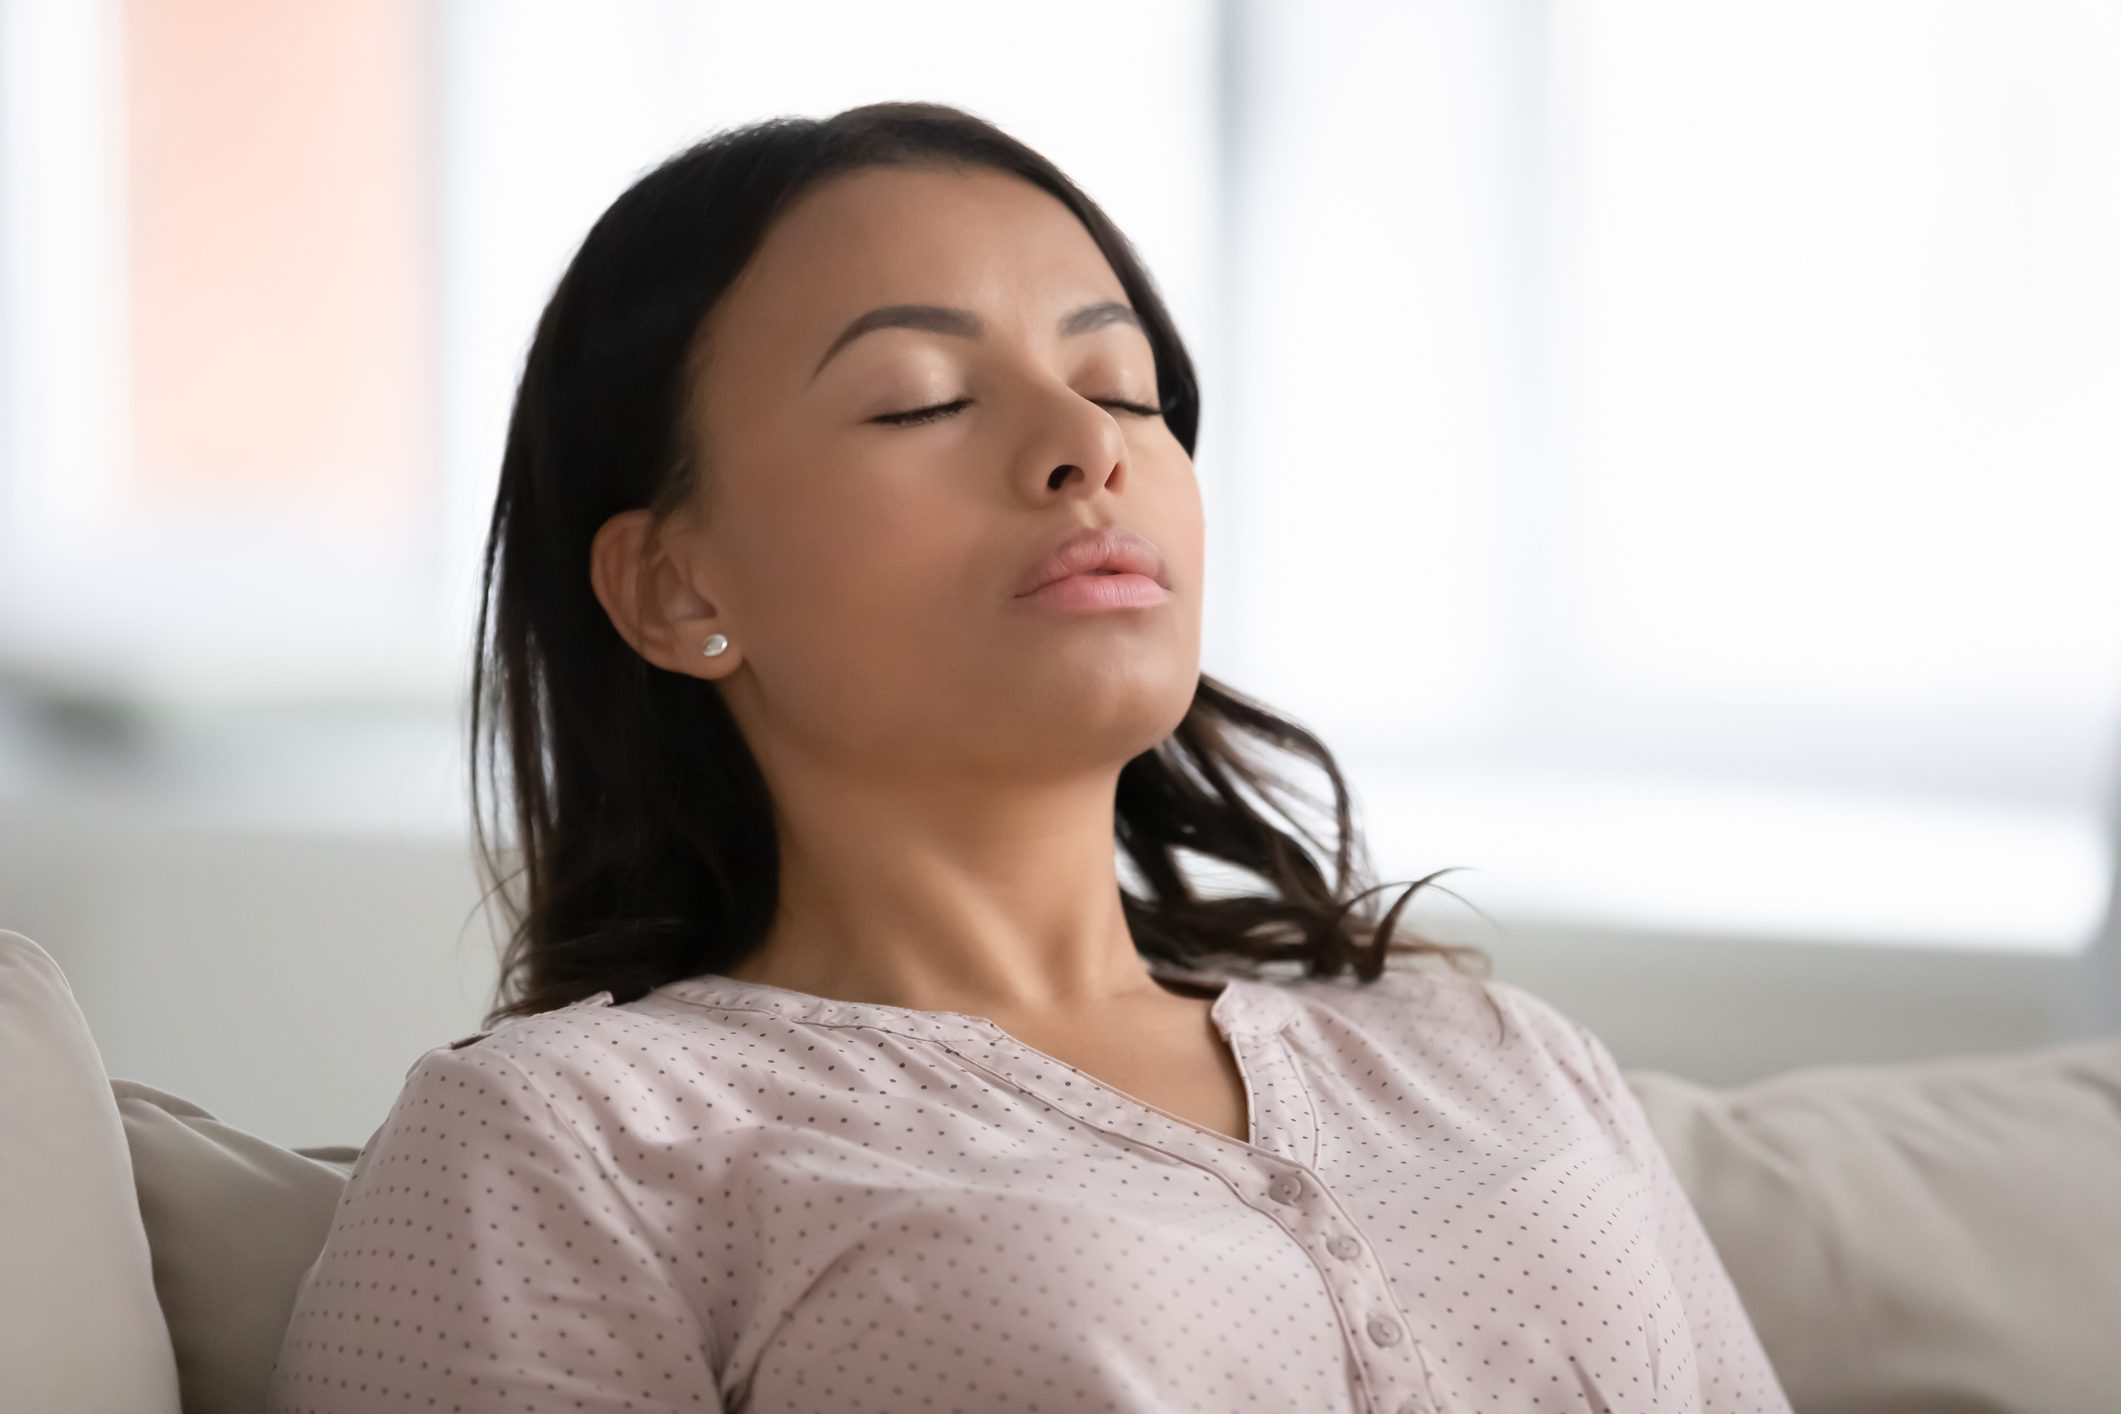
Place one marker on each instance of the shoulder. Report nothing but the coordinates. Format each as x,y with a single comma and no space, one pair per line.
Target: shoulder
1485,1013
609,1070
514,1075
1431,996
520,1038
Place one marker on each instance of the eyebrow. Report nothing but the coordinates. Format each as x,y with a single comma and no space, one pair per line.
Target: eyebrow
941,319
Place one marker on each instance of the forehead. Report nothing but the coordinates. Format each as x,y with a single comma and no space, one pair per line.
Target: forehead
985,240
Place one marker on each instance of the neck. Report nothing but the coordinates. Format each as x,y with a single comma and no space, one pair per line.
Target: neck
956,902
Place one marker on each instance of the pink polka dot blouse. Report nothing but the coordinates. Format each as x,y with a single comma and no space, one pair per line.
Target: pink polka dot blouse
726,1195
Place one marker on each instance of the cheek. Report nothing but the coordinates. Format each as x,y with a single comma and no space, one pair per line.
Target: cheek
857,564
1179,515
1192,517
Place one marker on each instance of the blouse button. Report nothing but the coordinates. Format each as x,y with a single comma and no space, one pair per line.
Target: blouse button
1285,1189
1413,1406
1383,1331
1344,1246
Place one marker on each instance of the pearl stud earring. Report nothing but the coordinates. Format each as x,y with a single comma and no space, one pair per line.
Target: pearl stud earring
716,643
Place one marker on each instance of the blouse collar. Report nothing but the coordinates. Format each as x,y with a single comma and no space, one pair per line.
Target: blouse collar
1242,1007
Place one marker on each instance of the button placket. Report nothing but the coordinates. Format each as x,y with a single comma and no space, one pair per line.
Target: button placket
1289,1188
1355,1288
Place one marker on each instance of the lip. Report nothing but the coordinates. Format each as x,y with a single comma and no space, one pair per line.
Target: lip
1088,593
1098,547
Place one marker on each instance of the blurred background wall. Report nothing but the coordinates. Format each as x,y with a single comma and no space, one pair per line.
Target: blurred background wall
1669,452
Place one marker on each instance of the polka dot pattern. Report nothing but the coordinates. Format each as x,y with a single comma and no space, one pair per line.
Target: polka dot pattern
732,1196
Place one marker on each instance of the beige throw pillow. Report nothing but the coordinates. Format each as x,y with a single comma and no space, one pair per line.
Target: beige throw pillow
1936,1237
235,1221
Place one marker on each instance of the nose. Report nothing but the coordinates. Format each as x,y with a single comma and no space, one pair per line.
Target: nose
1077,447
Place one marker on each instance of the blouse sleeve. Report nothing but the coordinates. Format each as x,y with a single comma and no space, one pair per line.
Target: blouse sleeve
1736,1376
480,1258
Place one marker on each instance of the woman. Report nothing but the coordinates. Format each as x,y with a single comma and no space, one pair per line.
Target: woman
845,583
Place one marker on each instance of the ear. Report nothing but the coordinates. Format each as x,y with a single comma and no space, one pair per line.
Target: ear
651,601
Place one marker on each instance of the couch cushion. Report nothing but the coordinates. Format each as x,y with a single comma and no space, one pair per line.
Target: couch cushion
203,1182
1932,1236
79,1324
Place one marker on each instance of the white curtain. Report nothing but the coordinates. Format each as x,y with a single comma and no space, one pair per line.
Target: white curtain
1674,450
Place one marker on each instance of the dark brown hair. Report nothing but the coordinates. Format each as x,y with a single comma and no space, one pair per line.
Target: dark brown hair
643,827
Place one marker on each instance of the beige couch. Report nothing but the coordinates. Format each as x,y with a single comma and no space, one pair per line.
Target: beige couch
1933,1238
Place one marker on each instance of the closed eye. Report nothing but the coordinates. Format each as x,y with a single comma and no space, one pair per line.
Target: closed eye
916,416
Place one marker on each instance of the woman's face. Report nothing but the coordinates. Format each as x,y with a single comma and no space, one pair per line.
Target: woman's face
866,573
